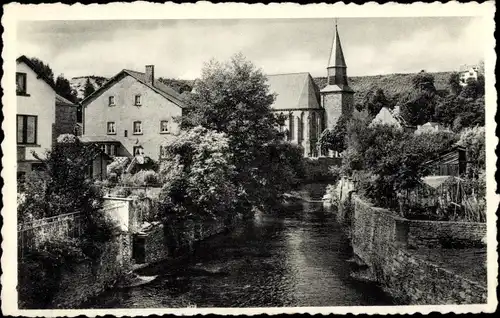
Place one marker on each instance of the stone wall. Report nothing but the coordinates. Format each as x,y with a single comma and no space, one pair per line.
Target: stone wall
437,234
88,279
76,281
156,246
380,239
65,121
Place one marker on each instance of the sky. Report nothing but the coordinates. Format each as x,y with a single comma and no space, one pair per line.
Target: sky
179,48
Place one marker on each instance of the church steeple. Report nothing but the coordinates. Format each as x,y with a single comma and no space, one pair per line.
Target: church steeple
337,97
337,68
336,53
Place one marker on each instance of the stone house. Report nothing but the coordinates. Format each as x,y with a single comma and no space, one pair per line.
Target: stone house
132,114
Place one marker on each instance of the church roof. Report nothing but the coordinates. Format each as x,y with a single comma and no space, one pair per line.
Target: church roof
294,91
336,53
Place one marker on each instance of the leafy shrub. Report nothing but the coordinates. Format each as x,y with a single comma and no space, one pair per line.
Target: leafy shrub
39,273
112,178
122,192
118,167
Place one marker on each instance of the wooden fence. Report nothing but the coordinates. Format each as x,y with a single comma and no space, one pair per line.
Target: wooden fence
32,234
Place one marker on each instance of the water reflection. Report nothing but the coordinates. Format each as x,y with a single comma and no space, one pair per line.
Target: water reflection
293,257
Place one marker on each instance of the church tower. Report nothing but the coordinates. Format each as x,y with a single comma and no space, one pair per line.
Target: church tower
337,96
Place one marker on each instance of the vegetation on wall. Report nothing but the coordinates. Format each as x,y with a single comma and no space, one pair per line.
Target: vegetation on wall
62,187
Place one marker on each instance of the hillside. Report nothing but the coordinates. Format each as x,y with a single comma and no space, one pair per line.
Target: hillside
392,84
78,83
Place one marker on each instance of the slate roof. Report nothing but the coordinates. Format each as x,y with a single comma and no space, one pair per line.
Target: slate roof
63,101
389,117
294,91
160,88
336,53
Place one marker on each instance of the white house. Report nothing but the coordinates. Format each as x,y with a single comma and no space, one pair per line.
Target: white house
42,115
36,113
468,71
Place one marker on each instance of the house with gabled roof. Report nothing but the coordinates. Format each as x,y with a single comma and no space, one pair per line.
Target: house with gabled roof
132,114
42,115
392,117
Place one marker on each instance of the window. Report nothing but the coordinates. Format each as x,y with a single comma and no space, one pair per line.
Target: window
138,151
21,83
137,100
112,150
164,126
111,100
137,128
103,148
26,129
111,128
125,133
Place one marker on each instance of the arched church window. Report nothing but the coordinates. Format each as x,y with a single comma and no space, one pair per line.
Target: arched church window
291,127
313,126
300,126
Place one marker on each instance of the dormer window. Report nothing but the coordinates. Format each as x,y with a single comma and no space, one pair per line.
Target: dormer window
111,100
21,83
137,100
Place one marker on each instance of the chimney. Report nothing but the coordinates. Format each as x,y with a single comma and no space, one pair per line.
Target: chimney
150,74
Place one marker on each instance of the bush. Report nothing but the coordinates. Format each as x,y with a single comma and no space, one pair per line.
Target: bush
118,167
39,273
123,192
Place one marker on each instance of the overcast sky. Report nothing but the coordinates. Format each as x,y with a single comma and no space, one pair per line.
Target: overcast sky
178,48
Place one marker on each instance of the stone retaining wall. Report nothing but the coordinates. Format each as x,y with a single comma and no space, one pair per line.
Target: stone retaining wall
88,279
380,239
437,234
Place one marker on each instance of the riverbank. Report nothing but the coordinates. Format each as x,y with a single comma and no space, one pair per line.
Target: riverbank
294,257
411,259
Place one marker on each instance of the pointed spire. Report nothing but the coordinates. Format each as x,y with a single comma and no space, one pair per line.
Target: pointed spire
336,54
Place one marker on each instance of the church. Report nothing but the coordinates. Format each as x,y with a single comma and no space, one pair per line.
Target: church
307,109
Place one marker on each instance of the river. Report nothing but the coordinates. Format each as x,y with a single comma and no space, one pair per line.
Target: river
294,257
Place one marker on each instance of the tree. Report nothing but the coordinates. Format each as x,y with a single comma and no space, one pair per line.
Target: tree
233,98
63,88
374,101
454,83
418,106
474,88
424,81
88,88
334,139
43,69
197,173
63,187
473,140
